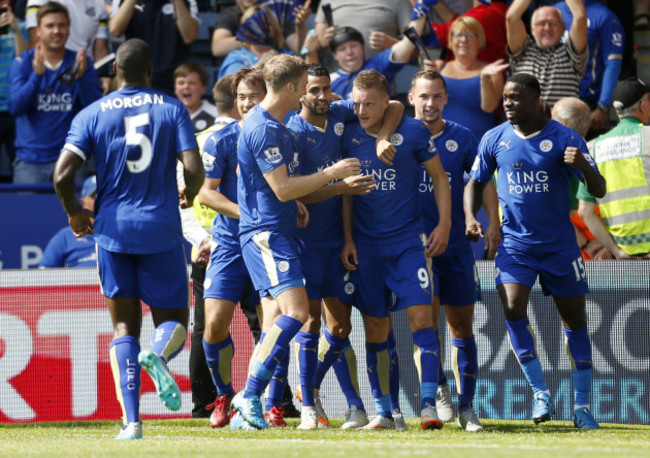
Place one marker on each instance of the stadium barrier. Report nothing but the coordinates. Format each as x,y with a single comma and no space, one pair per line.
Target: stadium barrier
55,331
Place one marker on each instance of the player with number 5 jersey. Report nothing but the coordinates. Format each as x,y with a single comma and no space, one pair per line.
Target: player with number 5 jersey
136,136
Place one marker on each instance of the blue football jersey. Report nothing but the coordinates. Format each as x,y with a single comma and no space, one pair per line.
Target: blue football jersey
220,161
320,148
135,135
391,212
264,144
533,184
456,146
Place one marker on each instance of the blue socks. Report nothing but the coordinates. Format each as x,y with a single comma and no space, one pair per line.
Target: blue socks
427,361
307,349
168,339
277,384
273,349
394,379
218,358
330,348
345,368
523,344
378,362
465,363
123,353
578,348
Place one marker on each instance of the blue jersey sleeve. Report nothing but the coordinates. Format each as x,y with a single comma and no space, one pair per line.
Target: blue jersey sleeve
79,140
215,157
428,149
470,155
267,145
186,139
343,110
485,163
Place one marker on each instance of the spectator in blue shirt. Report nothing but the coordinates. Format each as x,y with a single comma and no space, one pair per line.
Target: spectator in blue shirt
66,250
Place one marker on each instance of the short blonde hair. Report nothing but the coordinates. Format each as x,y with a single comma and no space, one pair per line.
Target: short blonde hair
283,69
371,79
466,23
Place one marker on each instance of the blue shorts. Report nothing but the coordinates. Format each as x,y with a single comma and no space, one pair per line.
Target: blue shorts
456,279
159,279
397,268
561,274
227,278
324,272
272,259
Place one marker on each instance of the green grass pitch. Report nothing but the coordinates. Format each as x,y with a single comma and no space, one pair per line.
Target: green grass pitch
194,438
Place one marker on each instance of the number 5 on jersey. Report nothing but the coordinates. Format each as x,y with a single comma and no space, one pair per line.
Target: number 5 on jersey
135,138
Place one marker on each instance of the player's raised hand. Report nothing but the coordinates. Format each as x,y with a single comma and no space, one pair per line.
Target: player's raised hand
473,229
358,184
386,151
349,255
574,157
345,167
82,222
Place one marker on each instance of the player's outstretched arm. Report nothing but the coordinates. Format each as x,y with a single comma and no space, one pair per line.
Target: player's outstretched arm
81,220
472,198
194,175
439,238
288,188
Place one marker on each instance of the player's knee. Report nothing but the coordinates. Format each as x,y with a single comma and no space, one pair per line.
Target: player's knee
341,330
312,325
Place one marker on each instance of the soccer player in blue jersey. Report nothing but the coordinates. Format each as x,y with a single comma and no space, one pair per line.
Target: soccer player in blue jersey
227,280
384,242
455,279
318,129
136,136
534,158
266,193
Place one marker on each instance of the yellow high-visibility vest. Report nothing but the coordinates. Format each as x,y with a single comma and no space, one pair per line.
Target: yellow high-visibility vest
623,158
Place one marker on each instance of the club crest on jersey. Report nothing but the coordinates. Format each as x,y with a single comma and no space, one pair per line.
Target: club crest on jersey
272,155
208,162
90,11
168,9
283,266
451,145
349,288
546,145
339,127
397,139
